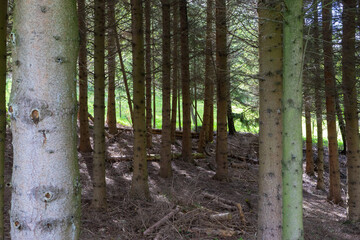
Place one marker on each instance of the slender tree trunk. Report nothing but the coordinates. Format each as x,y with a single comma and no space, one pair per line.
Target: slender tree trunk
309,152
230,117
111,47
318,101
309,168
165,153
211,124
340,116
209,73
179,106
84,141
154,95
335,190
292,113
185,79
127,90
270,93
195,105
175,69
148,73
45,179
139,184
351,115
222,91
3,56
99,194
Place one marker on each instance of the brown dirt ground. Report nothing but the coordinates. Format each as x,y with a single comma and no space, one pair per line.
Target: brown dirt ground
187,189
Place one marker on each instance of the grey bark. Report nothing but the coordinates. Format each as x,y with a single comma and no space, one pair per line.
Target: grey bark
45,181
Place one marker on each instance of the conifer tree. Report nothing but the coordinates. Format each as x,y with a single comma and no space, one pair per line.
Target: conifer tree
292,114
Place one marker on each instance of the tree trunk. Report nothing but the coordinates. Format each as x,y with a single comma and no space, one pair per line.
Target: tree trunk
148,73
99,194
211,124
165,153
230,117
270,122
292,114
175,69
154,95
340,117
309,152
222,91
3,56
335,190
185,79
179,106
84,139
318,101
45,203
139,184
209,73
128,97
111,47
351,115
195,105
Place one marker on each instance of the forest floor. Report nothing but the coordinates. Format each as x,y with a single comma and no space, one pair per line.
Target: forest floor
193,197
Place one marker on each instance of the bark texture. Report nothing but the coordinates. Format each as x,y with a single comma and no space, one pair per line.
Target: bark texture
270,122
351,115
185,79
84,139
330,92
3,53
99,183
292,114
139,184
111,67
222,91
45,182
165,153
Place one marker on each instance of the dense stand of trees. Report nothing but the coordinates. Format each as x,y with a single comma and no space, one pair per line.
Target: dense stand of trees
253,55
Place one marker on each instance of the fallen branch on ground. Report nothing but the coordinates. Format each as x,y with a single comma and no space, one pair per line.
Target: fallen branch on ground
162,221
153,157
241,213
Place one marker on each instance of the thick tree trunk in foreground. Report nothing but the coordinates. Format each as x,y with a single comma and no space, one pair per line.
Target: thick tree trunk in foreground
270,93
209,74
335,190
84,139
111,67
45,203
165,162
292,114
3,53
175,63
222,91
185,79
318,101
148,73
99,183
139,183
351,115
